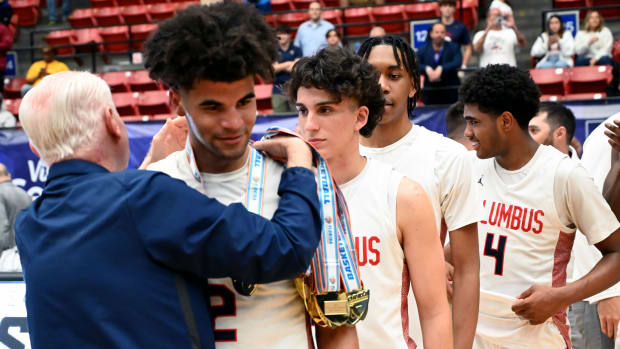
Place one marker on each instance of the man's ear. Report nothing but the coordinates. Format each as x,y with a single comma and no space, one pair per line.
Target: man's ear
34,150
112,123
361,117
175,100
560,132
507,121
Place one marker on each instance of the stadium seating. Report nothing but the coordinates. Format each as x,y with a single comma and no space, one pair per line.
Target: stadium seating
568,3
388,13
103,3
293,19
550,81
129,2
139,80
108,16
139,33
281,5
333,16
61,37
126,103
422,10
590,79
591,95
112,34
82,17
470,13
615,51
159,12
90,38
263,97
153,102
301,4
118,81
358,15
613,12
13,86
27,10
135,14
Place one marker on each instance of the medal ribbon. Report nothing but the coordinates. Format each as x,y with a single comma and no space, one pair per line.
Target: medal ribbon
335,258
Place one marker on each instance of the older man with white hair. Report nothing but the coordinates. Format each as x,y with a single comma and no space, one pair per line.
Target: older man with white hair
116,258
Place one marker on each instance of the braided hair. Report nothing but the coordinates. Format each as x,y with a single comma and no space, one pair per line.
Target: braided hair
402,52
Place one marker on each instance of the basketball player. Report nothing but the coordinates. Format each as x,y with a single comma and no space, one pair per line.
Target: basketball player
338,98
209,56
534,198
438,164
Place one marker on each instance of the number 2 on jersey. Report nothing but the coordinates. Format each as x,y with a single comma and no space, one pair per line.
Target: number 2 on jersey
226,306
497,253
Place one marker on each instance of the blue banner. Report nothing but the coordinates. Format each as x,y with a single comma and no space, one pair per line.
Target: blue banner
418,31
570,20
30,173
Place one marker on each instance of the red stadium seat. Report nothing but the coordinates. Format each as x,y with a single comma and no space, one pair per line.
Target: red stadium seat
89,37
108,16
615,51
263,97
185,4
271,20
13,87
27,10
163,117
154,102
281,5
153,2
140,81
550,81
82,17
118,81
12,105
103,3
301,4
139,33
470,13
61,37
587,96
159,12
422,10
292,20
607,12
111,34
129,2
334,17
358,15
590,79
135,14
393,12
568,3
14,26
126,103
331,3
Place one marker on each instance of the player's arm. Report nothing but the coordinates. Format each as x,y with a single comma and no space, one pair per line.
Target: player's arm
466,284
611,187
343,337
424,257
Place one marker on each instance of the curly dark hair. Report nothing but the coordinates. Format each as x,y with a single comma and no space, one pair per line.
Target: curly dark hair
402,53
499,88
341,73
225,42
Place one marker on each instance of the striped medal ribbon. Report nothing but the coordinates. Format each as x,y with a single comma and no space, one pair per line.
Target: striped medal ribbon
332,289
253,196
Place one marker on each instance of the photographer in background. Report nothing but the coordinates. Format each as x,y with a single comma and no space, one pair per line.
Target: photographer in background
497,42
555,46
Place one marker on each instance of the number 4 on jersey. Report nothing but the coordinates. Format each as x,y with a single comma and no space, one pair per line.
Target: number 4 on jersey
497,253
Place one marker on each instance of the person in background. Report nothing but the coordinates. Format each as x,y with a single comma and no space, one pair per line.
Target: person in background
51,11
12,200
6,42
456,31
593,44
288,54
555,46
498,41
505,9
554,125
40,69
377,31
7,119
333,38
439,61
311,33
6,12
455,125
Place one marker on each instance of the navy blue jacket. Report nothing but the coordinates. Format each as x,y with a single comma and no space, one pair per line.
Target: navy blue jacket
450,60
119,260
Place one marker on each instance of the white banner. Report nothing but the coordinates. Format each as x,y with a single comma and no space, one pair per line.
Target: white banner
13,323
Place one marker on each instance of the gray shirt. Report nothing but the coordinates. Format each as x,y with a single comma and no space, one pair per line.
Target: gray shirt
12,200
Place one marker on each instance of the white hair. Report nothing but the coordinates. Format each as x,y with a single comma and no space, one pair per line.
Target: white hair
62,113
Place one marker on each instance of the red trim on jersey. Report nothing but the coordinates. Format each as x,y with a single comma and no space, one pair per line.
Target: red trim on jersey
561,256
309,331
404,307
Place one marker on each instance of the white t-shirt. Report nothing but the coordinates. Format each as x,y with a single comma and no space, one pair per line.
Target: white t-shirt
444,170
597,161
274,315
526,239
371,197
498,48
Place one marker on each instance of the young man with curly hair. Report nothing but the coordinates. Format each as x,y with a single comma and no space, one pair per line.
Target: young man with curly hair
208,56
440,165
534,198
339,98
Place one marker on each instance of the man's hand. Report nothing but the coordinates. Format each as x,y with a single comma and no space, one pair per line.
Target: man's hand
613,133
449,280
609,315
170,138
537,304
294,150
592,61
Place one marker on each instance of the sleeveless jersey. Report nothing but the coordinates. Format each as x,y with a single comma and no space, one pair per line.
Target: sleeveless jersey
443,168
522,242
274,315
371,198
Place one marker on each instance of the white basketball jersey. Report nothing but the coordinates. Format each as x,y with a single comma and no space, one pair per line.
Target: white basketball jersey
371,198
522,243
274,315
